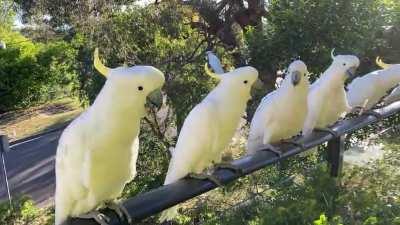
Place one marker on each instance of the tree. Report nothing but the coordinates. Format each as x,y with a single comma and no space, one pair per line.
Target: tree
33,73
7,12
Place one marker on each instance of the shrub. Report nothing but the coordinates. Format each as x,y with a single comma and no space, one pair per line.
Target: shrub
34,73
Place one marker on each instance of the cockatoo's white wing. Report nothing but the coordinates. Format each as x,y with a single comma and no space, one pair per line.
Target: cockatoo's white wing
363,89
194,148
369,89
258,128
71,182
135,152
393,96
314,103
215,63
196,141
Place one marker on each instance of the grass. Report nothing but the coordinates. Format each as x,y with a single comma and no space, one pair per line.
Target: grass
23,123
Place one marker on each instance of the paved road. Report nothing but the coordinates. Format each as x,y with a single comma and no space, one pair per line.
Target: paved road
30,168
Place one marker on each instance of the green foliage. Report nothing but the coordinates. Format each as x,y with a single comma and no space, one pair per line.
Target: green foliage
323,220
153,176
158,36
364,195
311,29
33,73
7,13
24,212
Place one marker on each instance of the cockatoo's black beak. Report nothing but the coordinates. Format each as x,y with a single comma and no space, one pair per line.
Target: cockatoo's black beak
296,77
155,99
351,72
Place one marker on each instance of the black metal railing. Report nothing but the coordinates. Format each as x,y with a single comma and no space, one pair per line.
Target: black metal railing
147,204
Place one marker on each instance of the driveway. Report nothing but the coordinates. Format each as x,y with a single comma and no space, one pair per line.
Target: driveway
30,169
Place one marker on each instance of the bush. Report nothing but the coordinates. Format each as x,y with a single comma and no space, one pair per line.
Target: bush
34,73
24,212
363,196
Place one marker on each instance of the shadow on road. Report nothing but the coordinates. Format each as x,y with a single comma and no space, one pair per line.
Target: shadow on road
30,167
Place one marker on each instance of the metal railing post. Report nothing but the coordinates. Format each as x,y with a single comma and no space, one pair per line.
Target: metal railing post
4,147
335,155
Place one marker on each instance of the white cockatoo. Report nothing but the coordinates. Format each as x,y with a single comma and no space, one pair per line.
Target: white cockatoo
394,96
97,152
281,113
327,98
366,91
210,126
214,63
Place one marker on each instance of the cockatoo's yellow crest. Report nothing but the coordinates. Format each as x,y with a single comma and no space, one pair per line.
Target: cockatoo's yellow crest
211,74
381,64
99,65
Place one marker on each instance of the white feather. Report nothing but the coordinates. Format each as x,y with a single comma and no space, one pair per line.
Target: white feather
278,82
209,127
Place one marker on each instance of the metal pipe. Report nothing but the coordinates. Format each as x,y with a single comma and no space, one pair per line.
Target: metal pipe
4,147
156,200
37,136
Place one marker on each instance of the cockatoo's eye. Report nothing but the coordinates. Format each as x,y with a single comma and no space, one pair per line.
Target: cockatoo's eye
245,81
344,64
140,88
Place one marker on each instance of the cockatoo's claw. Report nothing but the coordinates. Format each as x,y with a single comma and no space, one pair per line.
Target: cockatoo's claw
229,166
202,176
327,130
293,142
120,210
357,109
372,113
272,149
99,217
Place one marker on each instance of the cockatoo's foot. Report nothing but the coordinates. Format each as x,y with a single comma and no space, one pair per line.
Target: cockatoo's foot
120,210
357,110
327,130
293,142
99,217
203,176
229,166
270,148
372,113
